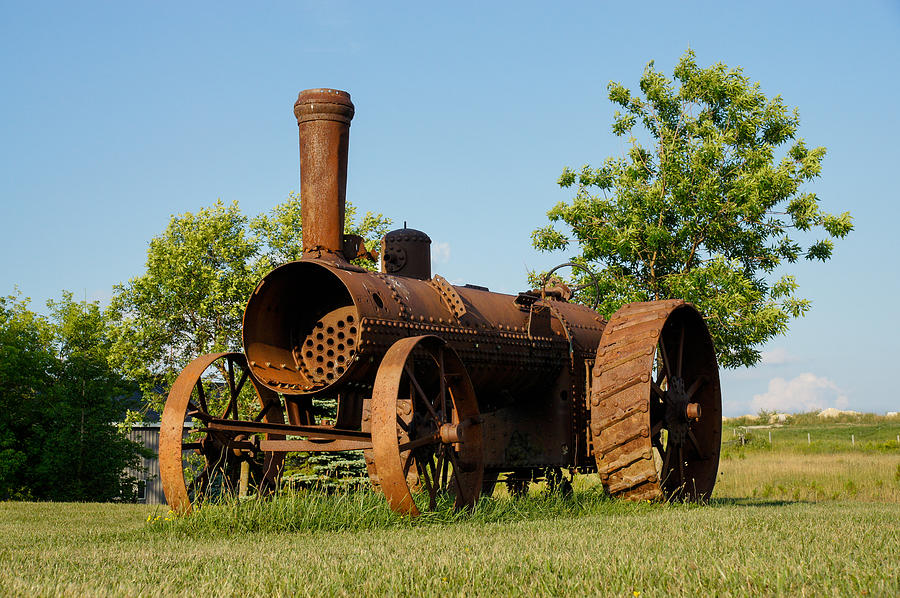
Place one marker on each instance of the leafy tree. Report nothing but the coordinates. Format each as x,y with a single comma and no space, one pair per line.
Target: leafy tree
59,398
26,366
280,232
190,301
706,204
85,454
200,272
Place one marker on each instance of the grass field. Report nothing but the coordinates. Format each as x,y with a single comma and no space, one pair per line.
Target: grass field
784,520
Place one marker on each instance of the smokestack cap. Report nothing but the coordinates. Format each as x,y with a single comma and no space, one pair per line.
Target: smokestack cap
323,104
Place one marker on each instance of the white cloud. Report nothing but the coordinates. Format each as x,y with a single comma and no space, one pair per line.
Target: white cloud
440,253
806,392
777,356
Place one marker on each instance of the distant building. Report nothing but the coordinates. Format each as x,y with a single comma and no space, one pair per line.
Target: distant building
149,490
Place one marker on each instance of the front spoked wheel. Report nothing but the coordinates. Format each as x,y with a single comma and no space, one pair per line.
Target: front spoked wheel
425,421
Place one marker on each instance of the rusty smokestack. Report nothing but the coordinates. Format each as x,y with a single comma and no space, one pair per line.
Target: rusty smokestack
323,117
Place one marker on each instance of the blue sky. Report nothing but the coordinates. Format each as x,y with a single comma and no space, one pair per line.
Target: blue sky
118,115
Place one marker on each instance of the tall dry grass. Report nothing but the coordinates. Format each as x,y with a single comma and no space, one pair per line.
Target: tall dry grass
869,477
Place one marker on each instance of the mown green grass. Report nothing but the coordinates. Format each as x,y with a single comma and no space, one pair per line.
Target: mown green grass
783,521
728,548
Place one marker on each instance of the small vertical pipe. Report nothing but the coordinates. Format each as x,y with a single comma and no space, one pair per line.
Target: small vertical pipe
808,441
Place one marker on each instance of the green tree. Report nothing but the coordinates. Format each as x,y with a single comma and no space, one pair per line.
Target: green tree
200,273
85,454
190,300
705,205
59,398
280,232
26,379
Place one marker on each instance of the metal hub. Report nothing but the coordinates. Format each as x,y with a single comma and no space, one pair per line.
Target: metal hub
679,411
676,421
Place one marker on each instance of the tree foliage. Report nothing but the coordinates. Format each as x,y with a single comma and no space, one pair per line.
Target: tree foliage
59,398
200,272
708,201
190,300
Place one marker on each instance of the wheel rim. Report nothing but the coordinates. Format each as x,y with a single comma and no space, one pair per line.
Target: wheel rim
656,404
214,385
685,409
425,420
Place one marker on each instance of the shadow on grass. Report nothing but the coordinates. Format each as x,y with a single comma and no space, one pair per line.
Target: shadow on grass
754,502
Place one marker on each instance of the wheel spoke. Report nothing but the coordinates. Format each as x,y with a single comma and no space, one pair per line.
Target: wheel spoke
201,395
659,392
680,353
240,385
438,465
665,359
232,403
425,440
443,382
444,466
422,468
457,471
407,463
656,429
264,412
681,464
403,424
695,386
232,406
433,489
422,394
696,444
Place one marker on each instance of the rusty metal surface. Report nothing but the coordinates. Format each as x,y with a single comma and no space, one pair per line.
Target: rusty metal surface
186,398
489,330
554,385
406,252
323,119
656,434
425,416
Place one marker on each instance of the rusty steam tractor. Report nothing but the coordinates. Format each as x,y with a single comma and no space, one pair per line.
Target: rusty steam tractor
444,387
